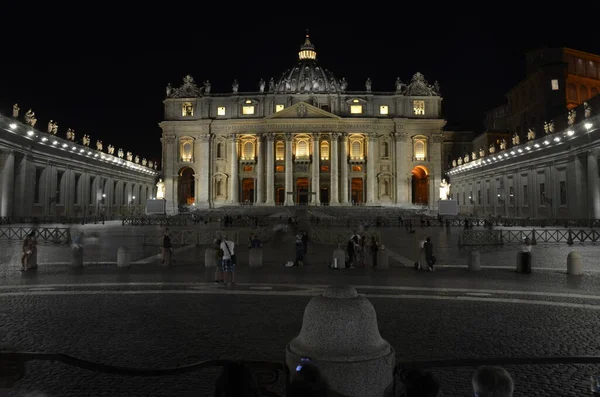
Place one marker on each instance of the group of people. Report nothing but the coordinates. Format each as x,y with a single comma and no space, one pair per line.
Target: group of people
362,250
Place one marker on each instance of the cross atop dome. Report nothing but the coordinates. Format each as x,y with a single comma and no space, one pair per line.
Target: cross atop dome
307,50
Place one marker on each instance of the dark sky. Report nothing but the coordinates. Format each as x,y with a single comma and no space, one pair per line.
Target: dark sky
102,69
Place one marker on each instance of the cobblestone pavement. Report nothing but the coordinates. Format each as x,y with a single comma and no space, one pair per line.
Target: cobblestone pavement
159,326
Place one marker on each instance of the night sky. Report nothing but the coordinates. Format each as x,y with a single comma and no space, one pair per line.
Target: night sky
102,69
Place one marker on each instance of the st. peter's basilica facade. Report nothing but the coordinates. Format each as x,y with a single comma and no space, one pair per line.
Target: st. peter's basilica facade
302,140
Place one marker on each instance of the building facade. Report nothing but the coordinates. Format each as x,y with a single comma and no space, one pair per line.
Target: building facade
551,174
44,175
303,139
557,79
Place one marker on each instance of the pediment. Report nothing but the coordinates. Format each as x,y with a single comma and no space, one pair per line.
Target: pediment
303,110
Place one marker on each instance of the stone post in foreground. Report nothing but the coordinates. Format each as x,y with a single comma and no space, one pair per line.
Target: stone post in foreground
340,334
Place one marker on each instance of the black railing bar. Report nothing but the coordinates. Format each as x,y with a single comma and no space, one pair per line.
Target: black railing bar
117,370
476,362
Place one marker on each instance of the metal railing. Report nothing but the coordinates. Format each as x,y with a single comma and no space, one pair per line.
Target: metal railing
254,378
55,235
187,237
534,236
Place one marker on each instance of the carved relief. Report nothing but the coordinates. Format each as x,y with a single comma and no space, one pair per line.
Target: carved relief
571,117
288,136
205,137
188,89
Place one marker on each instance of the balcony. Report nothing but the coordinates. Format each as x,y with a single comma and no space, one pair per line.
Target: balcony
302,159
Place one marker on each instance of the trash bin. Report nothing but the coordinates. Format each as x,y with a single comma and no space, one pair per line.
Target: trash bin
524,262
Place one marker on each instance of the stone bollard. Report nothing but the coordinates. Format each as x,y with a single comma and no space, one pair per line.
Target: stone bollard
339,259
339,331
210,257
474,261
255,257
574,267
383,258
123,256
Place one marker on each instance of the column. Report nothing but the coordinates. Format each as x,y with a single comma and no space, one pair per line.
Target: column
371,169
8,178
402,174
260,169
170,153
270,188
333,148
202,153
593,191
344,169
316,170
289,171
234,193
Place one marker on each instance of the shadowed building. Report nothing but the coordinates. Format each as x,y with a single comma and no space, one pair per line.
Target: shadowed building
302,139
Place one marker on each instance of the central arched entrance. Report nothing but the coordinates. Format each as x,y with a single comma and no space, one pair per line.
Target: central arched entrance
186,186
356,190
420,185
248,190
302,191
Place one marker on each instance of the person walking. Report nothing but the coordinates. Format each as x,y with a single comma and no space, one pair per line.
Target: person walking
228,261
429,257
167,246
29,248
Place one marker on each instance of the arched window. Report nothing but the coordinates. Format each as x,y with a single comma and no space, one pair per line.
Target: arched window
419,150
385,150
302,149
356,150
583,93
248,152
324,150
186,149
220,151
279,150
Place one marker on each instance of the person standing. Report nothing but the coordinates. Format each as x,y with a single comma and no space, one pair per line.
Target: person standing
374,248
228,261
167,246
429,254
29,246
299,250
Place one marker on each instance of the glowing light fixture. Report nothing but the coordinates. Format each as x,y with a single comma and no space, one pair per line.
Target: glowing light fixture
528,148
30,133
520,150
44,139
13,126
537,145
570,132
546,142
55,142
588,125
64,145
557,139
512,152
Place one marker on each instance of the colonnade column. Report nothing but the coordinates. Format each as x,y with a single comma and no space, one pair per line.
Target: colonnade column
270,171
592,185
289,176
344,169
203,181
334,199
260,169
402,175
8,178
234,194
316,171
371,169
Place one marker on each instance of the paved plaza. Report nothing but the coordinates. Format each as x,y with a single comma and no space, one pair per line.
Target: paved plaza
152,316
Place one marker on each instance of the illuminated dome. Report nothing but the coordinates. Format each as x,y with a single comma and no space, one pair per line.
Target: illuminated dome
307,75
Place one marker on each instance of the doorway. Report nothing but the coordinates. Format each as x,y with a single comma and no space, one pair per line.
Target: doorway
324,196
248,190
186,186
302,191
420,185
357,190
280,196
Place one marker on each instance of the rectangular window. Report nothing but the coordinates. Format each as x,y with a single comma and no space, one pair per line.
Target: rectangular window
279,108
356,168
383,109
419,107
542,193
279,168
356,109
563,193
187,110
511,195
324,168
525,195
247,109
554,84
221,111
37,187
